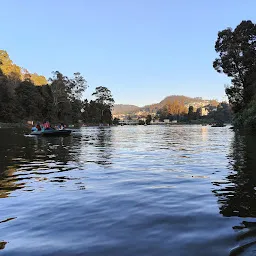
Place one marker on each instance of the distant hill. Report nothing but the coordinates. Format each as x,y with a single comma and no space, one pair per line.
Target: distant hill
180,98
124,109
184,100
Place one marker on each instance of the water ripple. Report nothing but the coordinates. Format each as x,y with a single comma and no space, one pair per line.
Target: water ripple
142,190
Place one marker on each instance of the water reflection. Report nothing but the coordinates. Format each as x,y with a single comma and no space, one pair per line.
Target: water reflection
24,160
237,192
55,148
204,130
104,145
96,146
107,189
8,184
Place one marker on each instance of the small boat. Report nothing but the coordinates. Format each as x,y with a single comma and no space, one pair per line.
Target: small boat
52,132
56,132
36,133
218,125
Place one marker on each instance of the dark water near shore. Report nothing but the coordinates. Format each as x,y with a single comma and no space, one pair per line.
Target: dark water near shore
138,190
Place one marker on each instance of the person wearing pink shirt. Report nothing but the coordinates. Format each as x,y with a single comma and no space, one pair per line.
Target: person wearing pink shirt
47,125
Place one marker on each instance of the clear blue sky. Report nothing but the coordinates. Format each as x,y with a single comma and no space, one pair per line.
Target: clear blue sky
142,50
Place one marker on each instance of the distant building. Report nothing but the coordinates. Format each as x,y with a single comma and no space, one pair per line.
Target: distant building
197,105
156,121
203,111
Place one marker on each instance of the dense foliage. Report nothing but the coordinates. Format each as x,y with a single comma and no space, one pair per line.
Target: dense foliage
60,100
237,59
247,118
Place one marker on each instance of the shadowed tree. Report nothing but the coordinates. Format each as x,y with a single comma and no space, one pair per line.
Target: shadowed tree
116,121
7,100
30,101
148,119
191,113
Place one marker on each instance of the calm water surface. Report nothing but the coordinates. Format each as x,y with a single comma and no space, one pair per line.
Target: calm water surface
131,190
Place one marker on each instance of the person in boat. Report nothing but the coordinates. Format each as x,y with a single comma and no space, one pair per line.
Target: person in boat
47,125
38,127
33,129
61,126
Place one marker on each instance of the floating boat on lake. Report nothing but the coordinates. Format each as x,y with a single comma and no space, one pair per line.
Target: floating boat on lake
218,125
52,132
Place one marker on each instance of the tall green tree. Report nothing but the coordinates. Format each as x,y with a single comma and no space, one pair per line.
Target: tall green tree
59,88
105,101
47,109
76,86
237,59
60,92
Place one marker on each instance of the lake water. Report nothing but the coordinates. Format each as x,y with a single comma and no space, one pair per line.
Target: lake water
129,190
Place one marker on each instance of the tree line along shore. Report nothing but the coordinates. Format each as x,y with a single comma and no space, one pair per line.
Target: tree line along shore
25,96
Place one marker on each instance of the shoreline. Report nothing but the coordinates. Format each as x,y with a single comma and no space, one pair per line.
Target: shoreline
25,125
12,125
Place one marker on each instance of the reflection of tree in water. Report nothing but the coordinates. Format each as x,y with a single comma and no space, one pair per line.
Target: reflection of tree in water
20,155
96,145
103,145
237,195
8,184
52,148
16,148
11,147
